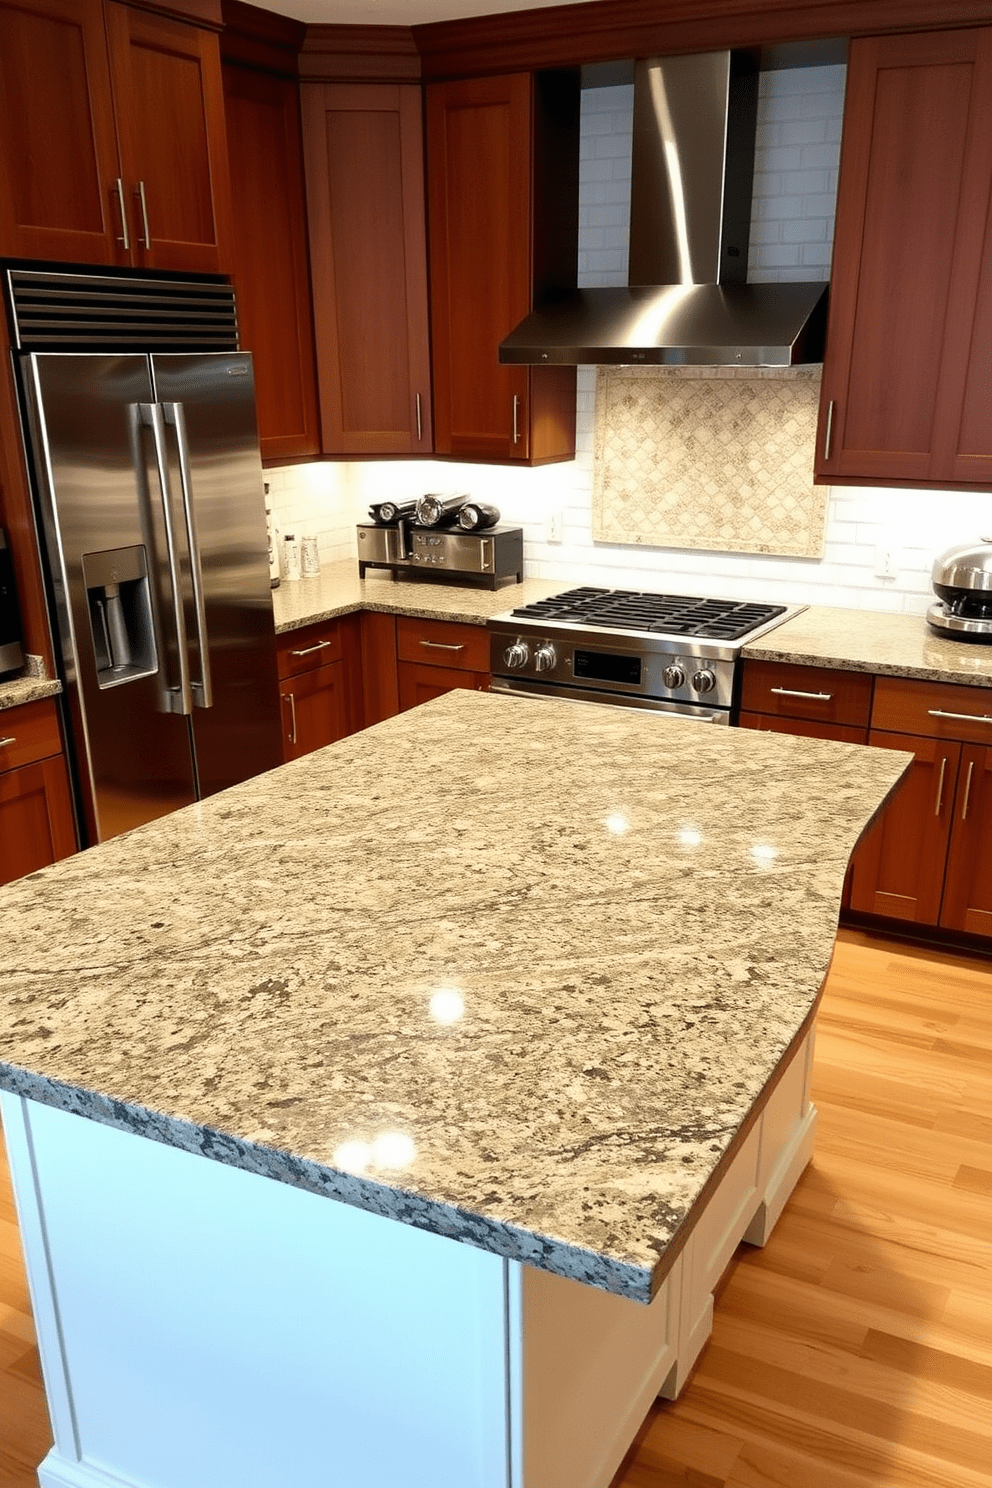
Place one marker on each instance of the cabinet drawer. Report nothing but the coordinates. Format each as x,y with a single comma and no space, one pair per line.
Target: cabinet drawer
938,710
807,728
818,693
28,733
310,647
442,643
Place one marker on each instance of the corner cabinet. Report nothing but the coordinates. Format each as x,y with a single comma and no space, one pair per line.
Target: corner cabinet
905,391
502,178
364,153
114,143
270,253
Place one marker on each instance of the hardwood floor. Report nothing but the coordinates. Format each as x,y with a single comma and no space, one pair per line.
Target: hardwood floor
855,1349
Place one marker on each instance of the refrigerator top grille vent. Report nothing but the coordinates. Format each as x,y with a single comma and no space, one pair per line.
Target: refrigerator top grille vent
90,312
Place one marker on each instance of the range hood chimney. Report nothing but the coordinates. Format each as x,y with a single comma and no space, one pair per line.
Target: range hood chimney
687,300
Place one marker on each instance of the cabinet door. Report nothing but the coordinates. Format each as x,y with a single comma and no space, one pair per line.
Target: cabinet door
36,820
905,378
500,158
363,146
898,869
317,709
807,728
419,683
169,108
271,265
967,903
58,161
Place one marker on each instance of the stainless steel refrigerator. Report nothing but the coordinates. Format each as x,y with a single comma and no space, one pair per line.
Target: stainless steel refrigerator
150,497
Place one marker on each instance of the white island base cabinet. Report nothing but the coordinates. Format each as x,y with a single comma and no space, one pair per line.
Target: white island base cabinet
204,1327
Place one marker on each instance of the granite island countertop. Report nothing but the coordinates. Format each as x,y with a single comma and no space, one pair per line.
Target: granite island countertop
526,997
871,641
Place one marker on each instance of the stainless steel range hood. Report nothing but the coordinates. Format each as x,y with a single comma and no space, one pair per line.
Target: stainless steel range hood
687,300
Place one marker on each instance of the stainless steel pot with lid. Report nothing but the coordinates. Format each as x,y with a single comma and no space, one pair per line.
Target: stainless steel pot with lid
962,578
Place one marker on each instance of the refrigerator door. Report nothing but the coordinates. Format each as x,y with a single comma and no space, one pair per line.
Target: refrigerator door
215,476
108,549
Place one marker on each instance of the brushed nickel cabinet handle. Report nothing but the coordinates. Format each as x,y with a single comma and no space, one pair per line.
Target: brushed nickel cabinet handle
124,236
940,786
308,650
964,717
10,739
817,697
139,192
420,420
441,646
516,418
967,790
290,699
828,437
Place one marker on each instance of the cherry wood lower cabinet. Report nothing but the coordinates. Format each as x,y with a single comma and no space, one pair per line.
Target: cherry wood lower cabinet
967,901
37,826
320,684
436,656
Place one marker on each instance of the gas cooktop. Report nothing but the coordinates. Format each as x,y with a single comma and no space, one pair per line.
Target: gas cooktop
667,614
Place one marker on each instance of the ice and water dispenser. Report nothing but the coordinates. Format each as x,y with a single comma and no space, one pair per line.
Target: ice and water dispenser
119,603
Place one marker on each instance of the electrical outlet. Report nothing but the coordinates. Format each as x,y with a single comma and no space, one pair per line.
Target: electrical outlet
886,561
554,526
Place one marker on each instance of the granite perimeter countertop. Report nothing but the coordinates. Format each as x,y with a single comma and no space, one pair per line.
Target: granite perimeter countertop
528,1003
339,591
20,690
867,641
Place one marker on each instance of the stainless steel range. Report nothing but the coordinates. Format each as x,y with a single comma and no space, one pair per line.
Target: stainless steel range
666,652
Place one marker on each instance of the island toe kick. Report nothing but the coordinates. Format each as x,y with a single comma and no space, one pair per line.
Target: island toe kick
205,1327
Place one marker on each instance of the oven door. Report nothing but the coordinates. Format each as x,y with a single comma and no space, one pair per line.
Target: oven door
526,688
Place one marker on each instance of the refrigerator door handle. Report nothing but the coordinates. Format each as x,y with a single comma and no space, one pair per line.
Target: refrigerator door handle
179,700
203,690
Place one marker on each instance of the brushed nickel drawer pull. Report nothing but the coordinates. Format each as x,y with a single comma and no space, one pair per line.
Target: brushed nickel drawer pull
816,697
10,739
965,717
139,192
828,438
940,786
441,646
290,699
308,650
967,790
516,419
125,236
420,420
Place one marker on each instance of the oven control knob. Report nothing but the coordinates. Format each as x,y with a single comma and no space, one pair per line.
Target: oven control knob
516,655
673,675
703,681
545,657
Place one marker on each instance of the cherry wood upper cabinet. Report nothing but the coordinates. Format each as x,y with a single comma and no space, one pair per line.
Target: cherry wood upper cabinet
364,153
905,393
502,173
169,108
58,160
271,265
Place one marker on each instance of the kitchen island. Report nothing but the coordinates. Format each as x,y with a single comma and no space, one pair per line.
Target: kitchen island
390,1118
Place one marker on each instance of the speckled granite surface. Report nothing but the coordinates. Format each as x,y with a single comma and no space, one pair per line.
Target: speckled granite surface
26,690
339,591
527,1004
865,641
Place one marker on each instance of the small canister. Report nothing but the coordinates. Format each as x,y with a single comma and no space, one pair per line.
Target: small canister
309,557
291,556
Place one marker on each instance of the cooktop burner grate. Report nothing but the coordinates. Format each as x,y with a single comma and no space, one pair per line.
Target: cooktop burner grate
668,614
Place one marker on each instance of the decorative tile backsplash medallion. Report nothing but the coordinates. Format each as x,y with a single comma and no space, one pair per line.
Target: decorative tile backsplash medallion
719,458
